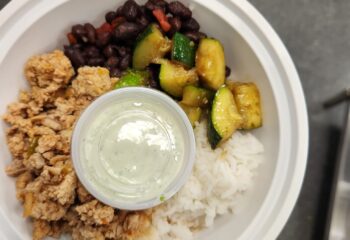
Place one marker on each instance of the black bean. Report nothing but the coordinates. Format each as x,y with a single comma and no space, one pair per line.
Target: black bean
142,21
79,32
90,32
110,16
153,4
146,13
119,11
68,51
110,50
98,61
77,46
125,62
179,10
112,62
77,58
131,10
227,71
150,6
190,25
115,72
126,31
122,51
103,39
175,25
92,52
195,36
161,4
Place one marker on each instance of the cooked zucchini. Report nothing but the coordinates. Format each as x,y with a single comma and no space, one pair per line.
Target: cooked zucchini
183,50
150,45
193,113
247,97
197,97
224,117
210,63
133,78
173,78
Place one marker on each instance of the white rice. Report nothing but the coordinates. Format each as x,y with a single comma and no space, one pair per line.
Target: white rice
218,178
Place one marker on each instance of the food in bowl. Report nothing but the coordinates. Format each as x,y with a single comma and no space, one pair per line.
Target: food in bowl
43,119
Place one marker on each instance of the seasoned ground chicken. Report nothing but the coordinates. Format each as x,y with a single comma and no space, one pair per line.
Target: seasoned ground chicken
40,128
92,81
43,70
95,212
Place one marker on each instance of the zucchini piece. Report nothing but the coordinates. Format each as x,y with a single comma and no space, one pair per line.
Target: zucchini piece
133,78
210,63
247,97
193,113
224,117
150,45
183,50
197,97
173,78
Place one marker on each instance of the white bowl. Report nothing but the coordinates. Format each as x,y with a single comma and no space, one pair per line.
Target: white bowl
252,48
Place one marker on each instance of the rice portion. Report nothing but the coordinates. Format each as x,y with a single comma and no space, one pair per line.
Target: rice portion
218,178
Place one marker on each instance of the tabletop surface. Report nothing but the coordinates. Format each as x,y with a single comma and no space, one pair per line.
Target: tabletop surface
316,33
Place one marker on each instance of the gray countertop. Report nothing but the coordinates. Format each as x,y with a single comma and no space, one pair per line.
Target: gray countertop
317,34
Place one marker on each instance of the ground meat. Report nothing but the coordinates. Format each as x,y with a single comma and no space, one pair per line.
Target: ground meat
47,143
21,182
87,233
43,70
64,106
136,224
34,162
41,229
92,81
95,212
83,195
63,193
51,123
47,210
17,109
17,143
15,168
39,138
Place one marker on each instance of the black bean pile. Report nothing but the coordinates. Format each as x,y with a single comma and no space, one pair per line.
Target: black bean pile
111,44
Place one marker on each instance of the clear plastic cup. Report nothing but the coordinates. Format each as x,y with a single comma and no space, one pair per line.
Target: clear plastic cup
98,178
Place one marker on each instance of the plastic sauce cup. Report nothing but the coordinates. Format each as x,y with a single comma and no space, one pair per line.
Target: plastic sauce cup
118,148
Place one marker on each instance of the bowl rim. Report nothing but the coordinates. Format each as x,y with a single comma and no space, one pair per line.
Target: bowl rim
270,39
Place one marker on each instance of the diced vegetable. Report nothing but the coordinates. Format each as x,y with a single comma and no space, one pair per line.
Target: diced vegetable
72,40
210,63
173,78
247,97
150,45
106,27
32,146
193,113
224,117
162,19
183,50
133,78
197,97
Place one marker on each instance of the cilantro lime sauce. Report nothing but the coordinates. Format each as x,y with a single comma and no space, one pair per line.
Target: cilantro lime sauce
132,151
